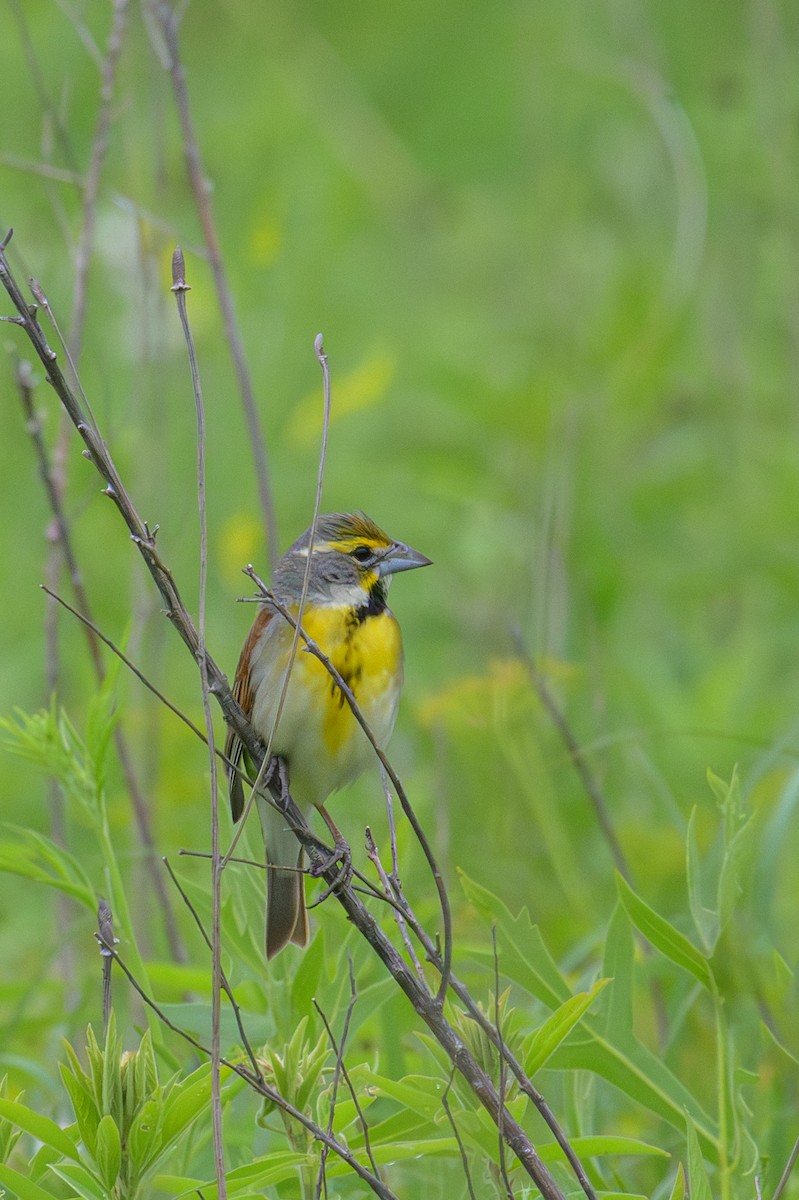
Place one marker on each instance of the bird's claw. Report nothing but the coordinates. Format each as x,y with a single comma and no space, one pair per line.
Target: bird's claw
341,855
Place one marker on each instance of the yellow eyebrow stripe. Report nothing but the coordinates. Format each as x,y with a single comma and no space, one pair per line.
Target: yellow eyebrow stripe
346,545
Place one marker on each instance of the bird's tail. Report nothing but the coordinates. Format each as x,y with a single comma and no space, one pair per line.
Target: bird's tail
286,918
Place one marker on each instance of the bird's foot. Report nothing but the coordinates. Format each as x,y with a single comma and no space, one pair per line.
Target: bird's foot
340,856
277,776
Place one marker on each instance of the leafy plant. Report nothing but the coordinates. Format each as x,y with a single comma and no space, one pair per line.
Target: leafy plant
126,1124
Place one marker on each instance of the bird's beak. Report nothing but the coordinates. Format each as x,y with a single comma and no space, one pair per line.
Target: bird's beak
400,557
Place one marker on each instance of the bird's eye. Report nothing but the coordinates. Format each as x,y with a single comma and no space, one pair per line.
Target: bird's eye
362,554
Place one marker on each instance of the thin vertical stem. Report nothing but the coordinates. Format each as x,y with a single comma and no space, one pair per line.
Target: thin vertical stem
320,477
51,470
180,287
169,22
786,1174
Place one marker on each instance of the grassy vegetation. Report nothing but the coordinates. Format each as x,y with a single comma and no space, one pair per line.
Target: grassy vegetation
552,251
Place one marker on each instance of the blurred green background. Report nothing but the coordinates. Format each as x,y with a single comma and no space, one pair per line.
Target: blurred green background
552,248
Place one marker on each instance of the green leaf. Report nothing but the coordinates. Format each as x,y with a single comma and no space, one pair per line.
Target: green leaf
542,1042
663,936
720,788
33,856
108,1154
144,1141
185,1102
84,1183
706,920
699,1184
112,1071
403,1150
637,1072
101,719
40,1127
597,1146
523,955
139,1080
617,964
678,1191
261,1172
737,856
177,1185
305,984
194,1016
419,1093
771,1036
22,1187
171,978
401,1126
87,1114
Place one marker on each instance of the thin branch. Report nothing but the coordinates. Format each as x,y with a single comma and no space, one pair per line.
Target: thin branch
525,1083
224,979
428,1009
105,921
51,474
112,646
503,1166
458,1138
180,288
168,20
599,803
421,837
42,169
399,908
306,580
786,1174
258,1084
341,1069
91,186
83,32
395,883
37,77
576,756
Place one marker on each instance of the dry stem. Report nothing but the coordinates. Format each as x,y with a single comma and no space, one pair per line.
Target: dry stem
180,288
428,1008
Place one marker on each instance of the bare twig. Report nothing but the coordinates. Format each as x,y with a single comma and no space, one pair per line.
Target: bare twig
83,32
112,646
394,880
306,579
105,922
786,1174
525,1083
169,21
576,756
256,1082
91,183
398,904
599,803
428,1008
458,1138
341,1069
180,288
503,1070
37,78
51,473
421,837
224,979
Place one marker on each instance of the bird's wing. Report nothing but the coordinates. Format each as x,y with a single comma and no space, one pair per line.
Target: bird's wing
243,694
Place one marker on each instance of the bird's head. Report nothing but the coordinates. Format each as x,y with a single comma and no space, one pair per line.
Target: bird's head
352,562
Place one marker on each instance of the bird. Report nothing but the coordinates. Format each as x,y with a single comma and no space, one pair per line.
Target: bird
320,743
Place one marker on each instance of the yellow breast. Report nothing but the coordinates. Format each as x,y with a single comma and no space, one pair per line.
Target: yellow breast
368,656
317,735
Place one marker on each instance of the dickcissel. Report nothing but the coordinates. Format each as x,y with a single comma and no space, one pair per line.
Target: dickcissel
317,737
